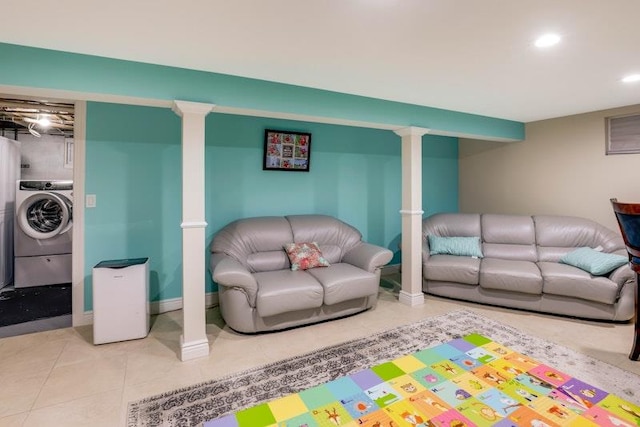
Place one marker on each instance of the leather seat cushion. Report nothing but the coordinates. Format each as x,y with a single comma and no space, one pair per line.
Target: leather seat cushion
566,280
510,275
344,282
451,268
283,291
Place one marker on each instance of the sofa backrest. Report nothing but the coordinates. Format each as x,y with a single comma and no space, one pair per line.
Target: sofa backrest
258,243
509,237
451,225
334,237
558,235
523,237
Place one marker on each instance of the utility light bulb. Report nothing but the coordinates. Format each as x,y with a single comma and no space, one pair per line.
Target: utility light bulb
631,78
547,40
44,122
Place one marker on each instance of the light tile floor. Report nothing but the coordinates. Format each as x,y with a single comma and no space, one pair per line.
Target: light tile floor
59,378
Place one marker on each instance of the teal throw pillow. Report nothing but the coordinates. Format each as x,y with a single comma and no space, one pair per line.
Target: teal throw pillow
461,246
595,262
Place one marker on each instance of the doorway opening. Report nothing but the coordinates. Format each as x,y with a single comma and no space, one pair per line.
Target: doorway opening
37,212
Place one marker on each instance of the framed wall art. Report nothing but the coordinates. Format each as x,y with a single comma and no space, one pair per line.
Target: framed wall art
286,150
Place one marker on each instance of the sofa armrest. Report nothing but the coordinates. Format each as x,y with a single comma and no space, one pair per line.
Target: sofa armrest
228,272
426,252
622,275
368,257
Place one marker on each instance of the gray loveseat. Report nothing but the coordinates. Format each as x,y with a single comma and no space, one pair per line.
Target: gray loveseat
258,291
520,266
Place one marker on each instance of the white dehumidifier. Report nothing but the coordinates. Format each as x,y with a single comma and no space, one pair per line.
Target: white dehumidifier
120,300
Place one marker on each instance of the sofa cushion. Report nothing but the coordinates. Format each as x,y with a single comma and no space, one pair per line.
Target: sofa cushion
451,268
283,291
510,275
594,262
304,256
565,280
268,261
460,246
343,282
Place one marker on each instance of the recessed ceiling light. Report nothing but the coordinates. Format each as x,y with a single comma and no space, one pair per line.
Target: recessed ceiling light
547,40
631,78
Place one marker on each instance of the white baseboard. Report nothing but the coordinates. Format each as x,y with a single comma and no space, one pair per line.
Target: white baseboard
194,349
412,300
211,300
157,307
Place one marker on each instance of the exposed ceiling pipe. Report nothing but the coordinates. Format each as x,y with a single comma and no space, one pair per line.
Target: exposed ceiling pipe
27,115
38,106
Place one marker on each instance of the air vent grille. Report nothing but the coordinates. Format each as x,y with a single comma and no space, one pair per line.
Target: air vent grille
623,134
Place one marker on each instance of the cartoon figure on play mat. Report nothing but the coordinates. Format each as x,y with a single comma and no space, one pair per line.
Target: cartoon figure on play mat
631,411
486,412
450,369
500,351
361,407
535,381
462,394
554,376
513,370
431,402
430,378
333,416
495,378
585,396
475,384
409,388
526,395
414,419
524,360
555,410
508,404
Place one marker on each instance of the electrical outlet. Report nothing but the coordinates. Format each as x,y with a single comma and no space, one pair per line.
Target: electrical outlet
90,201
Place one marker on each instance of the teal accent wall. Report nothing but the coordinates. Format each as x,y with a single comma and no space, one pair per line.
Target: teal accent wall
35,67
133,165
439,174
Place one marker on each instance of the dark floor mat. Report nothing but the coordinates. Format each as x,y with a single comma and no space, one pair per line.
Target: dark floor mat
27,304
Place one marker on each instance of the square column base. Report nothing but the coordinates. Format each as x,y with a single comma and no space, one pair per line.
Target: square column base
194,349
412,300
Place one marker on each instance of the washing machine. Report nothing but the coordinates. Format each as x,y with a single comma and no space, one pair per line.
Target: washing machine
42,235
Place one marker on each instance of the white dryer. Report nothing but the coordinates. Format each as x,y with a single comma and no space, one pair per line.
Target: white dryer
42,236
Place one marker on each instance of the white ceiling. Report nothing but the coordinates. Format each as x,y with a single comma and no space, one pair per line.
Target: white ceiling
474,56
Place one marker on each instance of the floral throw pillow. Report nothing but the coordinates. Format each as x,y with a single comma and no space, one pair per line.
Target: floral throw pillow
305,255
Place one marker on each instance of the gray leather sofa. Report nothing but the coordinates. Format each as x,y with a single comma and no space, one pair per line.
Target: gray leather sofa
520,267
257,289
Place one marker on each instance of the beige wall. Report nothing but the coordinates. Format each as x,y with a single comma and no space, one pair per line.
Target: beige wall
561,168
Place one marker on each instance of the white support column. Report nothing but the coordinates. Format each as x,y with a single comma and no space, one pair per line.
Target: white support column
193,341
411,293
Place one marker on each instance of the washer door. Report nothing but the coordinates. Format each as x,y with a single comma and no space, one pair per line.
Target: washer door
44,215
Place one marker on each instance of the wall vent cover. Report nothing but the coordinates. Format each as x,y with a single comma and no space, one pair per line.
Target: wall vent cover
623,134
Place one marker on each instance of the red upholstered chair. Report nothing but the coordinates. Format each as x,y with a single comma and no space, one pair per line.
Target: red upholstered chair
628,216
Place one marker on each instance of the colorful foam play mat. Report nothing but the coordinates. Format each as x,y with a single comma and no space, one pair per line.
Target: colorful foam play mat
470,381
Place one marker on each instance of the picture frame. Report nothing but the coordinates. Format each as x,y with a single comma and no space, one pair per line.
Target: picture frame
286,151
